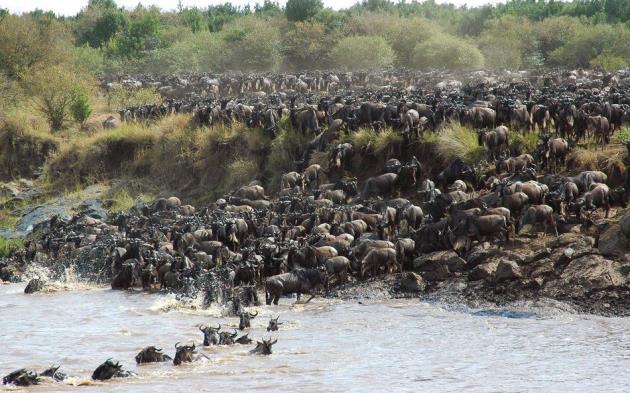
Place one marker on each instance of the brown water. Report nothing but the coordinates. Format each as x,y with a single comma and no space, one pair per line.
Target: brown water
323,346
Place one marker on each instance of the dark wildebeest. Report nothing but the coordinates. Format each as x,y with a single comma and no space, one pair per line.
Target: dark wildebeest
556,151
264,347
22,377
382,185
125,278
184,354
244,339
274,325
298,281
339,267
245,319
210,335
152,355
109,370
54,373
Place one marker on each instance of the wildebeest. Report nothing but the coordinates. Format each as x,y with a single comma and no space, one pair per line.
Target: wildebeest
245,318
110,369
125,278
382,185
274,325
210,335
496,141
338,266
184,354
380,257
22,377
152,355
244,339
54,373
298,281
538,214
264,347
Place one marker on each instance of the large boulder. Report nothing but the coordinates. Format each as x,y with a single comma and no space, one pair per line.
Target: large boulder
484,271
35,285
614,242
438,265
589,273
412,282
507,270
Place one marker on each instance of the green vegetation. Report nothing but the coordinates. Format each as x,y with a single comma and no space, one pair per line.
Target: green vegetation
8,246
457,141
105,39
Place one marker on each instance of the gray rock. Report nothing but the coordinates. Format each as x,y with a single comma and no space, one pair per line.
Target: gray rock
613,242
35,285
412,282
435,266
507,270
592,272
483,271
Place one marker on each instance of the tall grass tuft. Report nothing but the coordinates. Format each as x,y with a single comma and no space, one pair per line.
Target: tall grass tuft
457,141
8,246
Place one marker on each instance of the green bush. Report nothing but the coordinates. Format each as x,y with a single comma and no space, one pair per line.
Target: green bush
362,53
255,45
81,109
444,51
120,97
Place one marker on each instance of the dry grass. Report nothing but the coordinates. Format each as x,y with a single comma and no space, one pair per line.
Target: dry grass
25,144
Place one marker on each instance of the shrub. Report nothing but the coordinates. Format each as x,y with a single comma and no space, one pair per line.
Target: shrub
120,97
446,52
254,43
81,109
362,53
56,89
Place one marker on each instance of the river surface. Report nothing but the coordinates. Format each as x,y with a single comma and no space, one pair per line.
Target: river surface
323,346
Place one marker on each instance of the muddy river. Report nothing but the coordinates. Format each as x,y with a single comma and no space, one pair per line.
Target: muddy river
323,346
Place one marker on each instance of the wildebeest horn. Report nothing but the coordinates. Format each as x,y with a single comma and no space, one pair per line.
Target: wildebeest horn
203,328
253,315
177,345
235,333
193,346
219,328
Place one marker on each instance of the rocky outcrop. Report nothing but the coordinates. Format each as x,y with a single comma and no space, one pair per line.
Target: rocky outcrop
412,282
439,265
588,274
507,270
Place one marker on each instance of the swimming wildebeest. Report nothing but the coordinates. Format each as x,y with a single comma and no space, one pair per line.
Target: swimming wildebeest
54,373
210,335
244,339
184,354
245,319
264,347
22,377
274,324
152,355
109,370
298,281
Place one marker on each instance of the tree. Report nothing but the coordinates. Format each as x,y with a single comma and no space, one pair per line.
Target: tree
255,44
301,10
362,53
444,51
56,89
26,43
305,45
80,108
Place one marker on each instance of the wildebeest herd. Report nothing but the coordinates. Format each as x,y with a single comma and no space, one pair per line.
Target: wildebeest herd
323,228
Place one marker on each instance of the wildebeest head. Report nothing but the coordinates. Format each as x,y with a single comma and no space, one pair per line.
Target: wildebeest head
244,339
226,338
184,354
22,377
151,355
106,370
274,324
54,373
210,335
264,347
245,318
